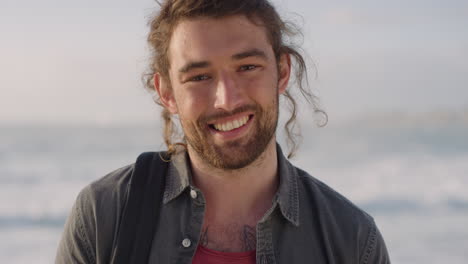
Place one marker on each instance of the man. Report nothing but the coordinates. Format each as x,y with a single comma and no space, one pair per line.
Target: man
229,194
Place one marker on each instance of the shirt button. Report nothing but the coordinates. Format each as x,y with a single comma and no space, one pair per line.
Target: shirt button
193,194
186,243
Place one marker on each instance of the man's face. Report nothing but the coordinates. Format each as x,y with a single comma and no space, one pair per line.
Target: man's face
225,85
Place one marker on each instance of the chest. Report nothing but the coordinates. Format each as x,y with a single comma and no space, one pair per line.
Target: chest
229,236
182,227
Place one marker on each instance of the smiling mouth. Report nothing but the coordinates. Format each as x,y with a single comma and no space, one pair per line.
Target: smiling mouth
231,125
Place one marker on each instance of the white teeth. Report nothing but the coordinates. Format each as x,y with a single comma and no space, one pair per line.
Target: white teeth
232,124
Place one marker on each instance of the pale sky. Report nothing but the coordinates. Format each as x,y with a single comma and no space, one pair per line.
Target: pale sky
65,61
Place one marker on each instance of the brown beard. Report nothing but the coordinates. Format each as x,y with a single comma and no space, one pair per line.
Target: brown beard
239,153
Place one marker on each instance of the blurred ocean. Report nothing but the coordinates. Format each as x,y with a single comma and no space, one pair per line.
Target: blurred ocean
409,172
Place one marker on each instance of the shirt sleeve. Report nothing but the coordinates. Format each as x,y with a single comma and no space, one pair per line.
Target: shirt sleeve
375,251
76,246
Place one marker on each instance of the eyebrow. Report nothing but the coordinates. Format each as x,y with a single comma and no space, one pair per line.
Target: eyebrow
194,65
249,53
239,56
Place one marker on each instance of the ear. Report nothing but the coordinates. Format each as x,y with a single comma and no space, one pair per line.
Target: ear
166,95
284,72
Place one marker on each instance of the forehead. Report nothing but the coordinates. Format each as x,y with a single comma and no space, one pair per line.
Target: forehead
212,38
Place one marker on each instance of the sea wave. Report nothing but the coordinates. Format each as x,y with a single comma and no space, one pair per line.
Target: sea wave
31,221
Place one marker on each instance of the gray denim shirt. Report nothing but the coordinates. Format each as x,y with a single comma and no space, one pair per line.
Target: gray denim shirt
308,222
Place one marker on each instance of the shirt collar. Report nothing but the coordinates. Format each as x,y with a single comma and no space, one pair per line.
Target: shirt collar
179,176
287,197
288,191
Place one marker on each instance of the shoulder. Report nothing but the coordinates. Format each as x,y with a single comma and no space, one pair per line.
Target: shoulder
92,222
110,188
108,192
101,202
326,198
340,220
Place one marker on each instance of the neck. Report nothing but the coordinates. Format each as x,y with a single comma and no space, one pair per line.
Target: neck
243,194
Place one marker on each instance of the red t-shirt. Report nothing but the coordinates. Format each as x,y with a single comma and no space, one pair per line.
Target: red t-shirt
205,255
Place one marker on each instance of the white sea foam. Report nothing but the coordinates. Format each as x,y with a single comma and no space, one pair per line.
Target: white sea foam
423,178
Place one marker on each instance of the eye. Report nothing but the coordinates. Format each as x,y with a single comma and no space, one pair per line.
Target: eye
247,67
198,78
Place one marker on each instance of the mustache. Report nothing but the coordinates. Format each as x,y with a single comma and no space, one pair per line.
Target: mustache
222,114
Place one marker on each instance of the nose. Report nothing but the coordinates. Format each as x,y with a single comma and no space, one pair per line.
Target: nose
229,95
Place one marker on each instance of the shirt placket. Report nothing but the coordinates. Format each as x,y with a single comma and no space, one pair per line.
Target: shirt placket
191,237
265,252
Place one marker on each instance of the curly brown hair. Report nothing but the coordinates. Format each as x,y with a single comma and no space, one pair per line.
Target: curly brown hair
259,12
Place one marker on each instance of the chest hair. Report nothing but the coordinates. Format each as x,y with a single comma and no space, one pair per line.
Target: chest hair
230,237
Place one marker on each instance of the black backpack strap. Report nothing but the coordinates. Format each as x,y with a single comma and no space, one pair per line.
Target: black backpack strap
140,214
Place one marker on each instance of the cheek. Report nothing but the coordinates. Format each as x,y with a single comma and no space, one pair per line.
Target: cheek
261,89
191,104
